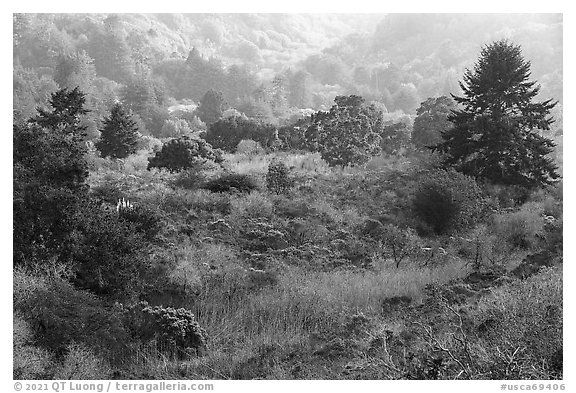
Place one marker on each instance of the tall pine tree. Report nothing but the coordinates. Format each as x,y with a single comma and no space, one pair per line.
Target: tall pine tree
120,134
495,134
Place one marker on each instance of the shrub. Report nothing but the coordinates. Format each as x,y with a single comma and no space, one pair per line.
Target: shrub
523,228
172,329
524,318
145,220
253,205
399,243
183,153
81,363
29,361
249,147
59,315
107,252
278,178
447,201
231,182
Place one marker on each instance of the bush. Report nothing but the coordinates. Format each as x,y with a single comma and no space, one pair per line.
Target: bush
183,153
173,329
249,147
524,318
253,205
232,182
81,363
59,315
523,228
448,201
145,220
107,252
278,178
29,361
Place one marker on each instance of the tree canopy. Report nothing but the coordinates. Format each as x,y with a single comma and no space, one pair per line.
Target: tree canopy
495,134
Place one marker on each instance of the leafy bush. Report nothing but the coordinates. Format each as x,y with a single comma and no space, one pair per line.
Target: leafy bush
183,153
253,205
278,178
249,147
107,252
59,315
227,133
448,201
172,329
231,182
145,220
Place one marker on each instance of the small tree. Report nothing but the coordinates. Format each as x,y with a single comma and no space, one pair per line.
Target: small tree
278,178
431,121
495,134
211,106
183,153
120,134
348,134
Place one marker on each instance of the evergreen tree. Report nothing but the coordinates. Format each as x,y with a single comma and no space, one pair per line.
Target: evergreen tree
495,135
120,134
50,170
211,106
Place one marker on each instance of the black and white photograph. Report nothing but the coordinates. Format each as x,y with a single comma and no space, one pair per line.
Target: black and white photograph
287,196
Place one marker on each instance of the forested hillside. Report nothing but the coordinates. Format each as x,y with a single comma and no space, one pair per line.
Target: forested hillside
284,196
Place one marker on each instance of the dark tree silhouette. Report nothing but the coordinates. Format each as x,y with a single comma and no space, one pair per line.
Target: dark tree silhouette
120,134
495,135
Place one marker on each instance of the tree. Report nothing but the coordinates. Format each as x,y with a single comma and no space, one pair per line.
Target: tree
348,134
184,153
211,106
431,120
50,170
120,134
495,135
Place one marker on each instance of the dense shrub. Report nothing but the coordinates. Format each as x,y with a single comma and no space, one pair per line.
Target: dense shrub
29,361
448,201
523,228
227,133
183,153
278,178
523,322
59,315
231,182
145,220
172,329
249,147
80,362
106,253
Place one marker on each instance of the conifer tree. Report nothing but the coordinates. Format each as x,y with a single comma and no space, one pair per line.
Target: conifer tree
495,134
120,134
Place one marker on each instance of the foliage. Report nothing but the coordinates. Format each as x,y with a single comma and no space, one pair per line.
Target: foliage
278,178
59,315
447,201
119,136
182,153
107,252
50,170
211,107
227,133
495,135
349,134
145,220
173,329
522,228
249,147
431,121
231,182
